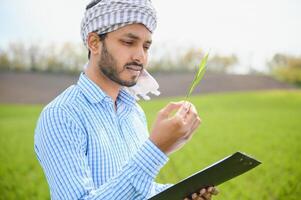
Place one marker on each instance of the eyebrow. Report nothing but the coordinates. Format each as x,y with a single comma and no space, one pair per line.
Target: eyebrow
135,37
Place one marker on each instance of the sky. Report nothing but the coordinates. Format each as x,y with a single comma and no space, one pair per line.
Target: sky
252,29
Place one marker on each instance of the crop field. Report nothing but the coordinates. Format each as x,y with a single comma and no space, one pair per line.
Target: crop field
266,125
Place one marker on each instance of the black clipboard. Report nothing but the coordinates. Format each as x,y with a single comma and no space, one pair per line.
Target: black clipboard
220,172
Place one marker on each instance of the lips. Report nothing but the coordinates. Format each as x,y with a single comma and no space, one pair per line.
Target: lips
134,67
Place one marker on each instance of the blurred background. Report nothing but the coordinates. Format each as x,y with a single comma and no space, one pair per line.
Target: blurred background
249,100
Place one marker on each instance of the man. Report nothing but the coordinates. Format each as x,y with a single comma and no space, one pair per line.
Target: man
92,140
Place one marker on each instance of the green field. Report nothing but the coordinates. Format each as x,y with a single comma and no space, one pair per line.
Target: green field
265,124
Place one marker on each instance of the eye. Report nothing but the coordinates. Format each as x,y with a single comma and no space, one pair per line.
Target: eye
128,43
146,47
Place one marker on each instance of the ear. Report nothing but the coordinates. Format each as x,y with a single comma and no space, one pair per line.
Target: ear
93,42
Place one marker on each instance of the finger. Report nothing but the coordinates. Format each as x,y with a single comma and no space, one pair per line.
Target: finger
193,108
166,111
202,191
192,114
190,133
207,195
182,112
186,198
196,124
194,196
190,118
214,191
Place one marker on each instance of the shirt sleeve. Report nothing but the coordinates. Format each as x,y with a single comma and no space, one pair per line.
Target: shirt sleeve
157,188
60,145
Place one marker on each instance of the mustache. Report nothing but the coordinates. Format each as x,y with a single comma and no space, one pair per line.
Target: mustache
134,64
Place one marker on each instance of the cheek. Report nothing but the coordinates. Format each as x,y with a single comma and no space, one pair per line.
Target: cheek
146,58
122,56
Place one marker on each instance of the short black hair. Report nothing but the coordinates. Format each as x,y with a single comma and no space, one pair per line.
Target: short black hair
102,37
93,3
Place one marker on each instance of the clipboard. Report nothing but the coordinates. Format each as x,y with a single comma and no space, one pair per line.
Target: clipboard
213,175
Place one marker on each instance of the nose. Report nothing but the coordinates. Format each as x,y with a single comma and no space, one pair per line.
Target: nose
140,55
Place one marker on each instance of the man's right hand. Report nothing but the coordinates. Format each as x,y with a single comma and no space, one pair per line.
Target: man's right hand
170,133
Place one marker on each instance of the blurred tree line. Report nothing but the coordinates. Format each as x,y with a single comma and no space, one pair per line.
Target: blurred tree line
190,59
71,58
286,68
65,58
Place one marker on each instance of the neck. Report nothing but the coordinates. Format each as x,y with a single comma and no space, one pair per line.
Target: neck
105,84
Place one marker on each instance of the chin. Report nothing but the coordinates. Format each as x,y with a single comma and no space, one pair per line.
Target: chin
130,84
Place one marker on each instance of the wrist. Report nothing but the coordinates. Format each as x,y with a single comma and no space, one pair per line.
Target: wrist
156,141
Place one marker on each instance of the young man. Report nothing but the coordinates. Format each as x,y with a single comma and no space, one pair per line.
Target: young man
92,140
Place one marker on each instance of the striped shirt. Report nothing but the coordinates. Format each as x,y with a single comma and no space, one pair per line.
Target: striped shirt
90,150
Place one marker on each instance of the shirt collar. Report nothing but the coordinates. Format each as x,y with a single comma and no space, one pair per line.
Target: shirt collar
95,94
126,97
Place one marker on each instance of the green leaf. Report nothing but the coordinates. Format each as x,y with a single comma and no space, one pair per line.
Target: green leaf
199,75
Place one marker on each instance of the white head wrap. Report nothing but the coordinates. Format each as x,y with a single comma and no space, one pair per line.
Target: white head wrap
103,16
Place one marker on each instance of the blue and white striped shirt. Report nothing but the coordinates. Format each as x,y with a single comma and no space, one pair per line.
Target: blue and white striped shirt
89,150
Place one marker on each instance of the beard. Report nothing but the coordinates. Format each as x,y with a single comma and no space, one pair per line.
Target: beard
108,66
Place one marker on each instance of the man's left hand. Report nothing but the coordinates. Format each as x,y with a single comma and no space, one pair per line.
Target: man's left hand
204,194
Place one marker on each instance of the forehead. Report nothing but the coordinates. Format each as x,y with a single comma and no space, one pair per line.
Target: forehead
135,31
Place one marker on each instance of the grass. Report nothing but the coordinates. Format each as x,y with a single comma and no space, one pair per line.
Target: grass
21,175
265,124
